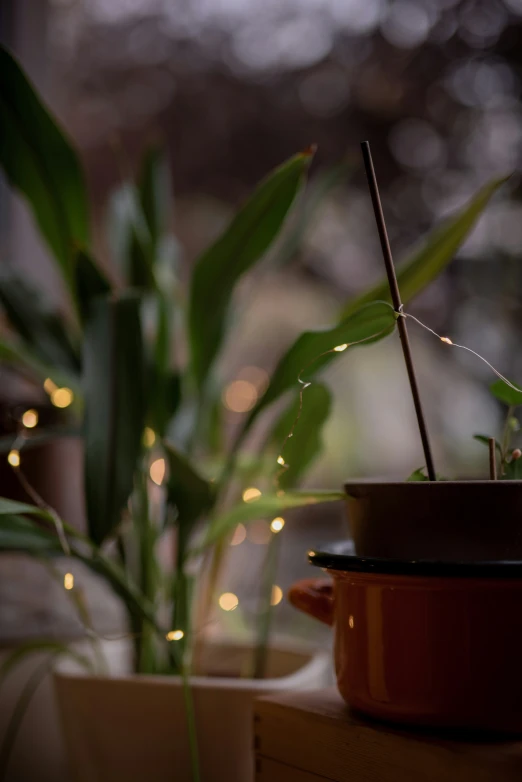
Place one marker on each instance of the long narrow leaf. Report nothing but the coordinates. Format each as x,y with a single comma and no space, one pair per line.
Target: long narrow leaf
25,535
90,282
243,243
155,193
46,333
376,319
265,506
22,358
113,375
187,491
425,262
21,534
40,162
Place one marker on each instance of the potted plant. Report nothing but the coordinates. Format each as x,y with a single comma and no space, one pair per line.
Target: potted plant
425,597
148,427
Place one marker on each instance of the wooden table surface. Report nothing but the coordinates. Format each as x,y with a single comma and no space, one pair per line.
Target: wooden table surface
307,736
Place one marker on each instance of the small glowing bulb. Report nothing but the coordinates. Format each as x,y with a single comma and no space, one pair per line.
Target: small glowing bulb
280,460
157,471
149,437
175,635
239,535
13,457
228,601
251,494
351,623
68,581
30,419
62,397
277,595
277,524
447,340
340,348
49,386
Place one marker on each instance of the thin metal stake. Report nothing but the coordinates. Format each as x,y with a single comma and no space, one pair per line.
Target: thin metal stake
397,304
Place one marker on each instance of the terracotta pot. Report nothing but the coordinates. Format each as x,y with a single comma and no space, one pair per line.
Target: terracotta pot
448,520
134,728
427,643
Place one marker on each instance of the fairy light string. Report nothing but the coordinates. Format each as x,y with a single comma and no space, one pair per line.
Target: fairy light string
304,384
448,341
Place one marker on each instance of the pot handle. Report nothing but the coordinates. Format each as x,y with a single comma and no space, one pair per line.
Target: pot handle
314,596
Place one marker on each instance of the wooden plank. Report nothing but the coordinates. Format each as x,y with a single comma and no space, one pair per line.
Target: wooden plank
316,733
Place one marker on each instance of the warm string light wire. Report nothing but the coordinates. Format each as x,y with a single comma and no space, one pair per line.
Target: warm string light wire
448,341
304,385
340,349
33,494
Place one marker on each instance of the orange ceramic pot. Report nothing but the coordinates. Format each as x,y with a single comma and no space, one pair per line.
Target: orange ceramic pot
427,643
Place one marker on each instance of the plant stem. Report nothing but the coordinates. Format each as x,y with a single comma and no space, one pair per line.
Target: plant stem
181,598
145,641
191,725
205,604
266,612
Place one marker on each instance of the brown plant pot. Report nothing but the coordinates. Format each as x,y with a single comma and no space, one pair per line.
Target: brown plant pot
465,521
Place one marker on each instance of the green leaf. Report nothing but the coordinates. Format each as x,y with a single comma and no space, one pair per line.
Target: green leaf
91,282
266,506
25,535
45,333
418,475
306,442
39,161
155,194
425,262
164,383
513,470
8,507
113,372
19,356
376,319
310,203
21,534
187,491
244,242
506,394
484,439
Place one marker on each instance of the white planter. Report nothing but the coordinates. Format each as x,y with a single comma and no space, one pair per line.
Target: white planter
134,728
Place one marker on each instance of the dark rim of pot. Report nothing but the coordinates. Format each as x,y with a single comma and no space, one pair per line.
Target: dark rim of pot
340,557
471,484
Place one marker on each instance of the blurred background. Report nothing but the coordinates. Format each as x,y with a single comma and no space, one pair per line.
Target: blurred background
233,87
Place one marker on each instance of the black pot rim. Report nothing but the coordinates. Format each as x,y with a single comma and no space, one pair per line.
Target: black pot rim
340,556
472,484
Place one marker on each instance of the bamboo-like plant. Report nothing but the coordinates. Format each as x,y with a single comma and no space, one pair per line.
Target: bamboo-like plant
134,404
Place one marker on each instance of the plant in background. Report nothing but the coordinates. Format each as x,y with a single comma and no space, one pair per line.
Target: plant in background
508,457
151,425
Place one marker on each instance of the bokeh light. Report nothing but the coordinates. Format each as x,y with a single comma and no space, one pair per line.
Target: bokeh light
228,601
157,471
